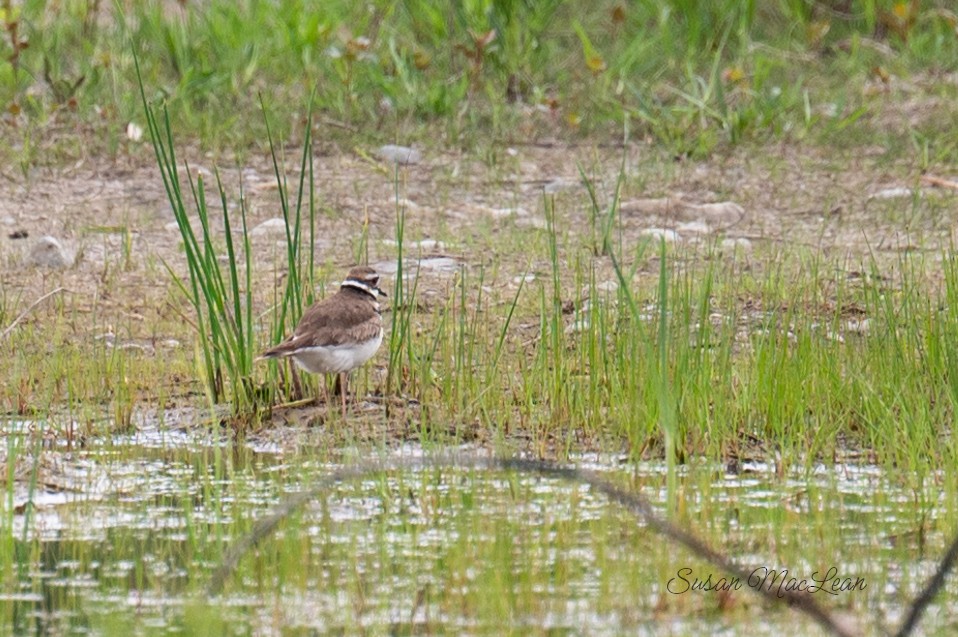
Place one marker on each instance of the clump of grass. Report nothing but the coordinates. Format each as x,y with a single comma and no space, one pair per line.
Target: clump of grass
221,295
223,319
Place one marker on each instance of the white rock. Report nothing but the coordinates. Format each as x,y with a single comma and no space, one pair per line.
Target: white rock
403,202
607,286
402,155
736,243
274,227
724,212
134,132
439,264
893,193
136,347
670,236
47,252
858,326
500,213
426,245
581,325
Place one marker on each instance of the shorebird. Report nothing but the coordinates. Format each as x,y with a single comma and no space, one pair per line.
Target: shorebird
339,333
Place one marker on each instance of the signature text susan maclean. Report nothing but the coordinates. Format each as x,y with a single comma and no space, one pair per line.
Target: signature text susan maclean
778,581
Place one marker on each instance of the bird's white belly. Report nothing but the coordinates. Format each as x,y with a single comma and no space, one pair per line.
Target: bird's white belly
335,359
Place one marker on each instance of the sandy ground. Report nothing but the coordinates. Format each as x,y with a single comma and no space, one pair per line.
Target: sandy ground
117,229
857,205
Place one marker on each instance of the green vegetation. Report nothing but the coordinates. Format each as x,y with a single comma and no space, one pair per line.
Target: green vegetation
695,76
784,385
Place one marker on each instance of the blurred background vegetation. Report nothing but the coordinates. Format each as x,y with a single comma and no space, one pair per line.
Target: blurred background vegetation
691,74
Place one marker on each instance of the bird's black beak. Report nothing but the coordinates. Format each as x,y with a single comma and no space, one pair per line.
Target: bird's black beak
381,293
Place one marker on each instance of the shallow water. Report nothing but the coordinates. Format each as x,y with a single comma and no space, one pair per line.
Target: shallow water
124,536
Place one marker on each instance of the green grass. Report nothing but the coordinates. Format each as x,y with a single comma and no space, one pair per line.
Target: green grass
559,341
694,76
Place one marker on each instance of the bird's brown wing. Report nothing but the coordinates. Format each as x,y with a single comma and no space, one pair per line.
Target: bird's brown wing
329,323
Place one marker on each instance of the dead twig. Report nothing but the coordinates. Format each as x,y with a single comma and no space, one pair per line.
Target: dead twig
931,589
938,182
24,313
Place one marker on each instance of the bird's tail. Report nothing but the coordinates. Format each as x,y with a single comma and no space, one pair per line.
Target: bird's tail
271,354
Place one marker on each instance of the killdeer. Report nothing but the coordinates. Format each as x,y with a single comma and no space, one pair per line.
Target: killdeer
339,333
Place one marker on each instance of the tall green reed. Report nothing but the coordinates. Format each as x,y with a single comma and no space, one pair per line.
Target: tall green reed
223,312
221,295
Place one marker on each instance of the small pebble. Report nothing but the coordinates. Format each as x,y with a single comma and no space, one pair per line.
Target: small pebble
737,242
858,326
721,213
275,227
500,213
607,286
47,252
669,236
134,132
893,193
402,155
581,325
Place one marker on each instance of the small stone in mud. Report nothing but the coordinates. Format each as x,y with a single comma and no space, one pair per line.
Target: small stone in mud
48,253
894,193
19,234
402,155
439,264
721,213
607,287
737,243
858,326
669,236
275,227
582,324
425,245
134,132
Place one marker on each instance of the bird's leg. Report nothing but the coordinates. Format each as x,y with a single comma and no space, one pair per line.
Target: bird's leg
297,392
322,389
342,390
294,376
